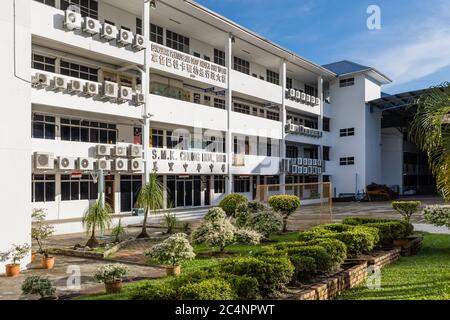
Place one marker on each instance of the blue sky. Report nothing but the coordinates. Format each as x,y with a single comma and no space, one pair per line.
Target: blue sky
412,47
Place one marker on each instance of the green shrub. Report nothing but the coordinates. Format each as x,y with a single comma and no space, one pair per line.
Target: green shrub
438,215
406,208
286,205
215,234
258,217
305,267
209,289
272,273
322,259
246,288
230,203
335,248
38,285
247,236
215,214
150,290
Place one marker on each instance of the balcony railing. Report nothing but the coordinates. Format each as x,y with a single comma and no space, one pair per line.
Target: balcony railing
302,166
302,130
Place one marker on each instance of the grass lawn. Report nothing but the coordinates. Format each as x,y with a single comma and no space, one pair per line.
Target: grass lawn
424,276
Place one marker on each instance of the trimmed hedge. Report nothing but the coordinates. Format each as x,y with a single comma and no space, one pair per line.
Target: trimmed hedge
209,289
230,203
152,291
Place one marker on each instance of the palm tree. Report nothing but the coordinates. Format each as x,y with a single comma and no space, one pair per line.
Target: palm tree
97,217
430,130
151,197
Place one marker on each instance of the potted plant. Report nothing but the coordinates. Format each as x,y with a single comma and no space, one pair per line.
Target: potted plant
97,217
17,253
111,275
41,231
37,216
172,252
40,286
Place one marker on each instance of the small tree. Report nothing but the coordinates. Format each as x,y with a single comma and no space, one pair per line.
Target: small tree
118,231
406,208
172,251
218,233
247,236
286,205
19,252
437,215
97,217
258,217
41,231
170,222
230,202
151,198
38,285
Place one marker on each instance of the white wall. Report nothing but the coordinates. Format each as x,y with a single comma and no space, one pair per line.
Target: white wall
15,126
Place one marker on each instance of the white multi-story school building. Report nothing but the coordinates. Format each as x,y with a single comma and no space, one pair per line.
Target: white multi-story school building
135,86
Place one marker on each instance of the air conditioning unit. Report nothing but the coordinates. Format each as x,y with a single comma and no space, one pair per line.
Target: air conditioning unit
85,164
294,160
292,93
305,161
308,98
305,170
139,98
44,161
135,151
120,164
298,95
310,161
41,80
317,101
121,150
319,163
303,97
294,169
66,163
109,31
59,83
136,165
314,170
103,164
125,93
91,26
310,170
139,42
293,127
299,161
91,88
75,86
314,162
73,20
125,37
110,89
102,150
319,170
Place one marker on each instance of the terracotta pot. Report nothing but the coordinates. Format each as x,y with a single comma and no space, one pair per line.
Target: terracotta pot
33,257
47,263
12,270
113,287
400,242
173,270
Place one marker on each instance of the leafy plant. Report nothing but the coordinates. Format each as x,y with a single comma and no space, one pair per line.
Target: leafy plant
38,285
110,273
118,232
41,231
19,252
218,233
263,220
437,215
230,203
215,214
209,289
406,208
247,236
286,205
97,217
151,198
172,251
170,222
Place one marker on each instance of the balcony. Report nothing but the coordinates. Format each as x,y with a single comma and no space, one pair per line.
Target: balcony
303,131
255,126
187,66
254,87
253,164
303,166
300,101
47,23
46,91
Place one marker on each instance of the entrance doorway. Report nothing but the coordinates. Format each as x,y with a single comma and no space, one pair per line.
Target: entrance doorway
109,190
184,191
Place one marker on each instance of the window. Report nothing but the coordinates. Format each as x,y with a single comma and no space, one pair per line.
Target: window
88,8
47,2
326,124
197,98
219,57
273,115
156,34
347,132
347,161
178,140
291,152
197,55
129,191
139,26
43,63
269,147
78,71
206,58
43,127
83,188
241,65
311,90
42,188
274,180
346,82
88,131
326,153
219,103
207,100
241,108
288,83
219,184
273,77
157,138
213,143
241,184
137,135
236,145
177,41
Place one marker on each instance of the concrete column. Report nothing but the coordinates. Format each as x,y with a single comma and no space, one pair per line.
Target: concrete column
145,90
165,192
283,122
228,105
320,125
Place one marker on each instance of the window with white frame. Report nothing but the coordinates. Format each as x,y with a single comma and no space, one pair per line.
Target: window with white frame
43,188
273,77
219,184
311,90
213,143
241,184
139,26
156,34
291,151
44,126
83,188
219,103
88,131
157,138
43,63
219,57
79,71
288,83
241,65
346,82
347,132
177,41
271,115
88,8
347,161
241,108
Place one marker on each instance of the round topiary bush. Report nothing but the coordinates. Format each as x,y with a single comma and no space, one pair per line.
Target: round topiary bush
406,208
286,205
230,203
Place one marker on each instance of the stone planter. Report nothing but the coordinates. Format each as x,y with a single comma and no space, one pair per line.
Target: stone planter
12,270
173,270
48,263
113,287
